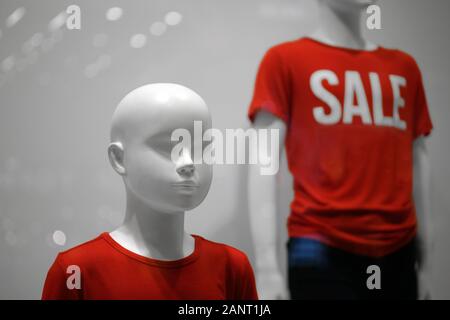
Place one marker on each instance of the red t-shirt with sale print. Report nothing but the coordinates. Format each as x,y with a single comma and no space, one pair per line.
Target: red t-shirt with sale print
103,269
352,117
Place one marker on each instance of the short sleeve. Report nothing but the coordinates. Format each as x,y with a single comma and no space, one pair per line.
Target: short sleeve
422,124
55,286
245,285
271,89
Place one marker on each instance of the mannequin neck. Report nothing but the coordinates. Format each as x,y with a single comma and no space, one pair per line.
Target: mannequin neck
151,233
340,27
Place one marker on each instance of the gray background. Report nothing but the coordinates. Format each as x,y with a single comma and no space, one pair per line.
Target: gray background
55,114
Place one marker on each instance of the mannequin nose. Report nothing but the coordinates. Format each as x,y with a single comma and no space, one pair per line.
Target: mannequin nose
186,170
185,166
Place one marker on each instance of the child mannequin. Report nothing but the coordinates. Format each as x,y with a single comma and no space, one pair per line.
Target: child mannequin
151,256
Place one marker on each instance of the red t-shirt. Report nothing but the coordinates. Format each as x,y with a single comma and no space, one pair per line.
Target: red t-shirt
351,116
109,271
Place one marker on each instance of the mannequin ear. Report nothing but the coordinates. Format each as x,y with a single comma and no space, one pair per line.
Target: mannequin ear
116,155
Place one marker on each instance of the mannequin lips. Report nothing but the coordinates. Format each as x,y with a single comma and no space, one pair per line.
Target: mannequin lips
185,185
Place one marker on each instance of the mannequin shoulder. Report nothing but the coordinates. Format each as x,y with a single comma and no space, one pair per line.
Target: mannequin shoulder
284,50
220,251
84,254
403,57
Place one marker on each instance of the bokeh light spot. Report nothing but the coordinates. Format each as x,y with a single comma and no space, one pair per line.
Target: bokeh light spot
173,18
138,41
114,13
59,238
15,17
158,28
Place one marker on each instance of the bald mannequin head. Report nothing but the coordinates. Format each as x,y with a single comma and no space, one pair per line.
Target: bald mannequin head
140,148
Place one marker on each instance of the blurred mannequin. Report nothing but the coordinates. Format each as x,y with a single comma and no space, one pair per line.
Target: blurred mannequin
340,27
151,256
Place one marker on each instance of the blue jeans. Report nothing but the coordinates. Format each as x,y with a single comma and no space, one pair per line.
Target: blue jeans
318,271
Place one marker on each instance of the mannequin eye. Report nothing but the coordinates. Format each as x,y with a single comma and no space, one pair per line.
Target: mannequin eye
161,144
203,144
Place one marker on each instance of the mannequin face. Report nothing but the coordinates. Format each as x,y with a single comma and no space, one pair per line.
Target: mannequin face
349,4
143,124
